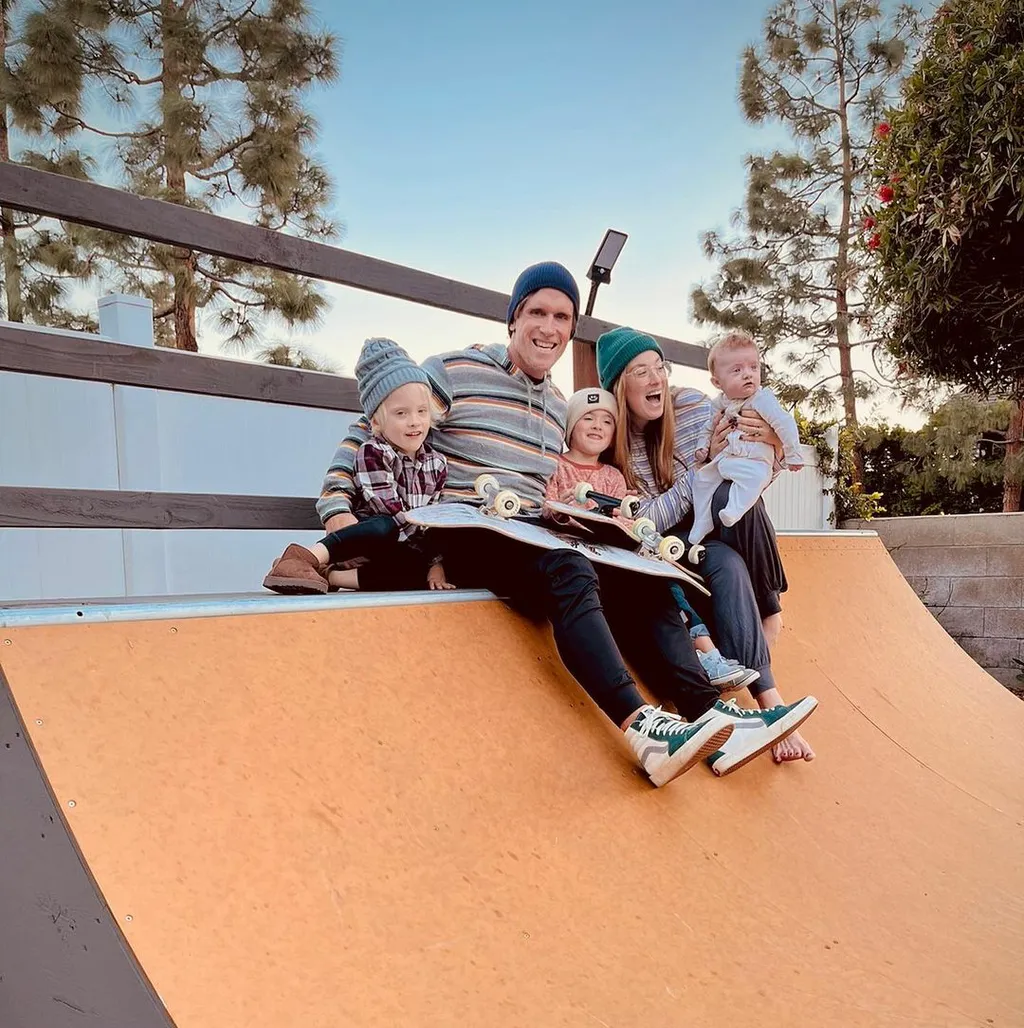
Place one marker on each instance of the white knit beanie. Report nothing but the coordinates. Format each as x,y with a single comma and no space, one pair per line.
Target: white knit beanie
584,400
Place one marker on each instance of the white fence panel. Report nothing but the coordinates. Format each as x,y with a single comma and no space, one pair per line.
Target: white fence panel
65,434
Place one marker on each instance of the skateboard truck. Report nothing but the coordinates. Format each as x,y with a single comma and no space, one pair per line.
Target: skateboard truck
502,502
629,507
668,547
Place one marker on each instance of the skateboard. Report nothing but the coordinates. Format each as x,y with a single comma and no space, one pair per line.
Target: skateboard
667,547
530,531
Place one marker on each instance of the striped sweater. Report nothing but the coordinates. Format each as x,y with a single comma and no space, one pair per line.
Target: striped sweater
493,419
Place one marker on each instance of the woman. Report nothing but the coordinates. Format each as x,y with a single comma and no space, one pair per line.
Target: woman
741,564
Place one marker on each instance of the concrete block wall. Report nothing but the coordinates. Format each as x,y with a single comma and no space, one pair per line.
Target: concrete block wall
968,570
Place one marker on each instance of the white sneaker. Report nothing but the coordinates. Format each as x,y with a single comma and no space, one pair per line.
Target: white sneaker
755,730
666,745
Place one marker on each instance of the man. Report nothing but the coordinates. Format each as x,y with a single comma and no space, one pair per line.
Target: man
500,414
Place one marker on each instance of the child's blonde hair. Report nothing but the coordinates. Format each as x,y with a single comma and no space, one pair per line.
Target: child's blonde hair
378,418
735,339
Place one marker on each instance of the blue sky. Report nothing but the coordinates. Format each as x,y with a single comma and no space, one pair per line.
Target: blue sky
473,139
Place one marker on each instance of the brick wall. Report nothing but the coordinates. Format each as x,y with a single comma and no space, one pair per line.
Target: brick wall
969,571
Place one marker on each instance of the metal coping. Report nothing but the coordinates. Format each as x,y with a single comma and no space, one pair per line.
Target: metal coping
176,607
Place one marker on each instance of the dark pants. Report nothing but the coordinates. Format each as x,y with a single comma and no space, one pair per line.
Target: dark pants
600,618
744,572
393,564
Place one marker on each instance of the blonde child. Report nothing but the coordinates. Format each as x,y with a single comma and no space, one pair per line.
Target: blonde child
590,427
735,366
396,470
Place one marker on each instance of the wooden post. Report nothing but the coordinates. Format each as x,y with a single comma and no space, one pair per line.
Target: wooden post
584,365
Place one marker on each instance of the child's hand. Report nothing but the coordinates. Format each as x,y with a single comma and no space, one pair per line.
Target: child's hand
436,578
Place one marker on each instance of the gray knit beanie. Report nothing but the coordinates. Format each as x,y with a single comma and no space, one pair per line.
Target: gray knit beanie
382,367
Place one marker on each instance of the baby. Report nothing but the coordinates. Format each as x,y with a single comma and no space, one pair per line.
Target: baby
735,366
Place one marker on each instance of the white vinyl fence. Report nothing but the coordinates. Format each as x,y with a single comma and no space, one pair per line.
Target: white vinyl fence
60,433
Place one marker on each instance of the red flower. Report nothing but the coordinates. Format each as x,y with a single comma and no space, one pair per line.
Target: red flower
883,130
875,242
968,48
869,223
886,194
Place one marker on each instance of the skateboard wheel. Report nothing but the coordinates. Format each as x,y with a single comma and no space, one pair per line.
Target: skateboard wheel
645,530
671,548
695,554
630,507
582,491
485,485
507,504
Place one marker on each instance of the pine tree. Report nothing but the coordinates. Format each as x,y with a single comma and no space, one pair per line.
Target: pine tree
950,221
40,257
824,70
213,95
285,355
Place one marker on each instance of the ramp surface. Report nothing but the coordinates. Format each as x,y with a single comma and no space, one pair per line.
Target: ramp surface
411,816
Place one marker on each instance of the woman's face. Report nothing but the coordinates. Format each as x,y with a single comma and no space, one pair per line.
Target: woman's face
646,385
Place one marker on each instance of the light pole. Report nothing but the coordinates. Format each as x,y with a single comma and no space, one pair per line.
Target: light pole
584,355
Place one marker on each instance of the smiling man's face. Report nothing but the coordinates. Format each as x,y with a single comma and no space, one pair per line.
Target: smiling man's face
541,331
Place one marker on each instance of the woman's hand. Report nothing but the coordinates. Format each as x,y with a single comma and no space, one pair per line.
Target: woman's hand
756,430
720,429
753,429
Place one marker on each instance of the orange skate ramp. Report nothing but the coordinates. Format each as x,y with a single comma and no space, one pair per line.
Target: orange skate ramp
411,816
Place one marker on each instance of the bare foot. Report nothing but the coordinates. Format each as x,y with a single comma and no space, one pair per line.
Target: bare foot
793,747
772,628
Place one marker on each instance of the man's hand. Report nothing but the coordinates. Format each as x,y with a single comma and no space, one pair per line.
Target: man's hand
339,521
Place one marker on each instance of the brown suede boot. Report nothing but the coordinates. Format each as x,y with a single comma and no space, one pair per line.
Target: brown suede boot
296,571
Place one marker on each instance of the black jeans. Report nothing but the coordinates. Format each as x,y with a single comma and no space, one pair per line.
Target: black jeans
393,564
600,617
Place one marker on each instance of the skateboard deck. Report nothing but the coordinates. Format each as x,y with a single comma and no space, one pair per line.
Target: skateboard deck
463,515
615,532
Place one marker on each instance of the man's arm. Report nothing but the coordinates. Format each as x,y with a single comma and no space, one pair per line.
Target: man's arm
339,489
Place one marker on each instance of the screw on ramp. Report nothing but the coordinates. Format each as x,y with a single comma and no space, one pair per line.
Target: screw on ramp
410,815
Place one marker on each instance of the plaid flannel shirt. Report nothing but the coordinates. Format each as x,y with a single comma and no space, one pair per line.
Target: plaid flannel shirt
390,482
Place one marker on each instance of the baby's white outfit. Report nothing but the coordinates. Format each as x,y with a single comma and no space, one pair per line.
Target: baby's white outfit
746,463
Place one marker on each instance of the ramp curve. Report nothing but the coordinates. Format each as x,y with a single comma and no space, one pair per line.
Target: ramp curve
430,825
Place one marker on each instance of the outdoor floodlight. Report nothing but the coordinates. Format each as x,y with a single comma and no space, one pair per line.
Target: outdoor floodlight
607,255
601,270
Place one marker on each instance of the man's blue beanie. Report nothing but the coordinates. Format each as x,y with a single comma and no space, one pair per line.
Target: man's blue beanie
546,275
615,349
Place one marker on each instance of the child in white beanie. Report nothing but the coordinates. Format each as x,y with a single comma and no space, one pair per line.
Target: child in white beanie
396,469
590,425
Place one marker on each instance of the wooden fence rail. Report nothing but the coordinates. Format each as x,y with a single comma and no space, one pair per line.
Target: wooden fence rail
121,508
41,192
95,360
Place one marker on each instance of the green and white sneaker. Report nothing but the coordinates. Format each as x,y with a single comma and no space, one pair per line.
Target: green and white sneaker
666,745
755,730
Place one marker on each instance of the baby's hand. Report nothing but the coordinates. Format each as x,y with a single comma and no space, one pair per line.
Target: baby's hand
701,456
436,578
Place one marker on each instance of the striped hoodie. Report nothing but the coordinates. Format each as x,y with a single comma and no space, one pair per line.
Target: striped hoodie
493,419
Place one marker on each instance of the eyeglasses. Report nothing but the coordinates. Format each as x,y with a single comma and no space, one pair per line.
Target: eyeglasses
661,369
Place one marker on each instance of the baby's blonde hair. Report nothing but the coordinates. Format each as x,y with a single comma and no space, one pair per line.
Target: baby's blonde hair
735,339
379,417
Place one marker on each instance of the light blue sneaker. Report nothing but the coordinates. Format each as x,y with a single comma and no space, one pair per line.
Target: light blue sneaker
755,730
666,745
725,675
